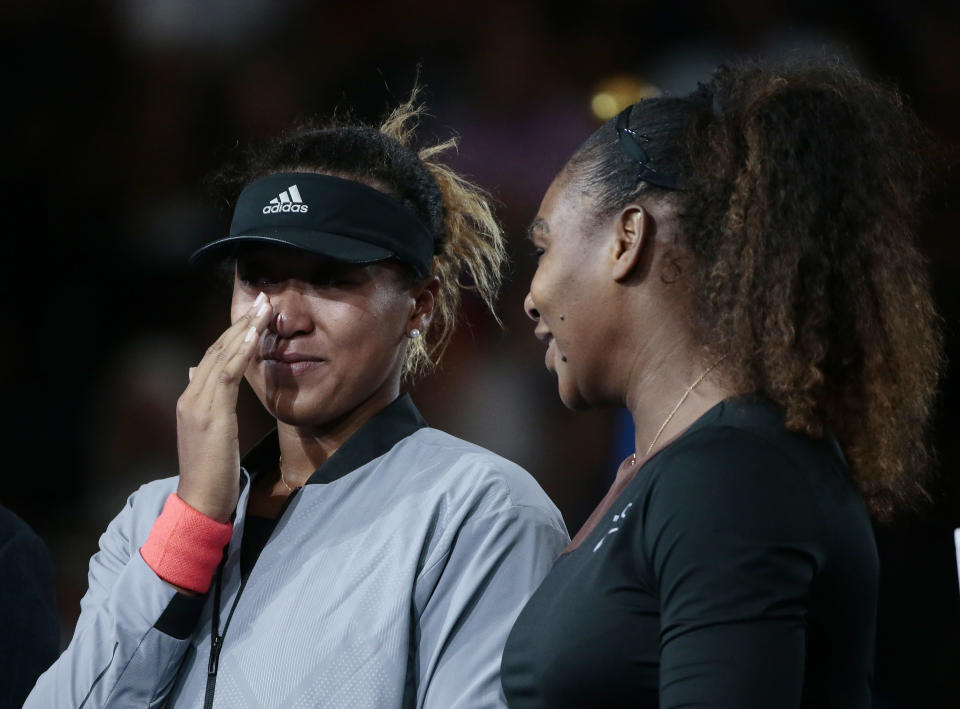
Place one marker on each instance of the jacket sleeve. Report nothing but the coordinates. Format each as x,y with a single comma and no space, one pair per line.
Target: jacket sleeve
493,567
133,629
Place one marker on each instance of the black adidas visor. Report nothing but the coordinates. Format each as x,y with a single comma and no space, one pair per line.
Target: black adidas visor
328,216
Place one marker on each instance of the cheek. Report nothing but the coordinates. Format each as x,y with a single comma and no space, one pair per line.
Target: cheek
554,289
364,327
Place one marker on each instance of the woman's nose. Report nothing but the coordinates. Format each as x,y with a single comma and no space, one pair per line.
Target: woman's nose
290,316
531,309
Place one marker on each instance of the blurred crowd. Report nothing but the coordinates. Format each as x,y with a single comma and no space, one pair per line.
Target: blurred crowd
116,114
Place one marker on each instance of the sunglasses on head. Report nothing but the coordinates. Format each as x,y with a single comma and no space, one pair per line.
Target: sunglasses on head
631,143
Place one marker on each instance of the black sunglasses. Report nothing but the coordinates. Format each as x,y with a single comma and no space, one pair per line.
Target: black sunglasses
629,141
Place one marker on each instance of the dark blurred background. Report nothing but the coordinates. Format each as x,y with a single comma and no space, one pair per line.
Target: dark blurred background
115,113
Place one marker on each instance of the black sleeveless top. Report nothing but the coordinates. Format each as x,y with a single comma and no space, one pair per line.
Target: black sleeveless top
737,569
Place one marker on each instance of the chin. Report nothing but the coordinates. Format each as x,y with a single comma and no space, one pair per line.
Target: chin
572,398
297,416
293,408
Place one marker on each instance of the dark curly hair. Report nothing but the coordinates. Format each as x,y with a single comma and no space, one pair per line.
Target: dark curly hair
801,185
458,213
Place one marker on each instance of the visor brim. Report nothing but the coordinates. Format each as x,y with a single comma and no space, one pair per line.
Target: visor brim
332,246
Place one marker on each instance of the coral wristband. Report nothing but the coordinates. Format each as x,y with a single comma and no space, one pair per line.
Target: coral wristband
185,546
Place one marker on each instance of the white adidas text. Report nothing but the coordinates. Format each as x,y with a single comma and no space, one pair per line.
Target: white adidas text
287,201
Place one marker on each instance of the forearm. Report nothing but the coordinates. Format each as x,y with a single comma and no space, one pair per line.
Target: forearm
134,623
124,654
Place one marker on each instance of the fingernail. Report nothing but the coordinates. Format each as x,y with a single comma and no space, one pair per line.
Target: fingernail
259,299
263,309
251,333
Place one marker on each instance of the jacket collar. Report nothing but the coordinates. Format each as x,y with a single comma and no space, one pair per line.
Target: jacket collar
382,432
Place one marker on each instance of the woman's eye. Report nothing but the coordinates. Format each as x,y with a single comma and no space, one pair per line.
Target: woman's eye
255,279
537,253
337,277
328,279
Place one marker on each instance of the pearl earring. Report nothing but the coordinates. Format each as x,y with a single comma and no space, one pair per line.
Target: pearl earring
414,334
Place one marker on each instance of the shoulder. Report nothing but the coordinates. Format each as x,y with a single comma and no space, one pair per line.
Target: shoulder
17,537
745,440
744,481
476,476
747,479
11,525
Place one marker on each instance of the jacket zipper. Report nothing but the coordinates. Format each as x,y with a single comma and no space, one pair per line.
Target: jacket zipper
216,636
212,667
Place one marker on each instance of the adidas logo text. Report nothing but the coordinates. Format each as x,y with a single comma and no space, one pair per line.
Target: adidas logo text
288,201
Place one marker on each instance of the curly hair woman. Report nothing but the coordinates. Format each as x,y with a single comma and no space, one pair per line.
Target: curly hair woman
356,557
738,268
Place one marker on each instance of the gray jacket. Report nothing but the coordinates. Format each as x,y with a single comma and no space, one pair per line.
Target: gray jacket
390,580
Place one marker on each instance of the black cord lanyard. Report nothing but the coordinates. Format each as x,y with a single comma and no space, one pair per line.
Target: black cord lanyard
216,637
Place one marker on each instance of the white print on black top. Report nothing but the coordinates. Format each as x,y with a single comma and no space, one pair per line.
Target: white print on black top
622,515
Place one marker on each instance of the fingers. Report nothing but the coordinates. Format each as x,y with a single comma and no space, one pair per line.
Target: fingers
222,387
220,349
240,339
237,355
206,415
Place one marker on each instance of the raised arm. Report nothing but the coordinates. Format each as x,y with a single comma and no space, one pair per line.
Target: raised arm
158,556
127,644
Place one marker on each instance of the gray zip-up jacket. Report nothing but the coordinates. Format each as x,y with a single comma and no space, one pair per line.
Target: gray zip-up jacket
390,580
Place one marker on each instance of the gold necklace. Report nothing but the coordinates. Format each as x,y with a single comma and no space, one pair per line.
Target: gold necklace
284,480
633,460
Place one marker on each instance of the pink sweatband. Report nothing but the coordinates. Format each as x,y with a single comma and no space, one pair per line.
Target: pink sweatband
185,546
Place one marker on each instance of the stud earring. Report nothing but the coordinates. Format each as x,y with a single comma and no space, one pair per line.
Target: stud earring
562,318
563,358
414,334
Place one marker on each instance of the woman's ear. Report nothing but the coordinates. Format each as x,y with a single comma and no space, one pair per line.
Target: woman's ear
424,301
633,231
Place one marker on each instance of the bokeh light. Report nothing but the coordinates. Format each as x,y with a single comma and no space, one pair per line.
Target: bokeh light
614,93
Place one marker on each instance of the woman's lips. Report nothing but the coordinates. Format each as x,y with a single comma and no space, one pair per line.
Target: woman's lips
294,368
293,364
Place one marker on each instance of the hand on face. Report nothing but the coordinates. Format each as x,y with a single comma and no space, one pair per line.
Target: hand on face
207,435
336,343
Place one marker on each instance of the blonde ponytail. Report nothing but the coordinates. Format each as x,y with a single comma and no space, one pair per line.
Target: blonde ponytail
471,246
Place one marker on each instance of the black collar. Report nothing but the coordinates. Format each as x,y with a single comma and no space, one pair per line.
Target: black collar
390,425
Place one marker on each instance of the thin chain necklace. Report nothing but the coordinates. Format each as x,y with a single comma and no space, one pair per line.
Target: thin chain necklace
284,480
633,460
